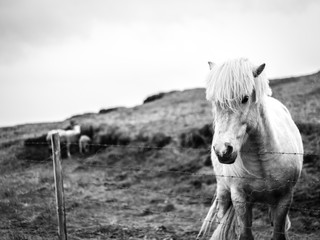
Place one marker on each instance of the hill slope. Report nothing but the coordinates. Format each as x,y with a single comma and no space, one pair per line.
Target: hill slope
301,95
148,175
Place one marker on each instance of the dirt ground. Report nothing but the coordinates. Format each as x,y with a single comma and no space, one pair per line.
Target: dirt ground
125,194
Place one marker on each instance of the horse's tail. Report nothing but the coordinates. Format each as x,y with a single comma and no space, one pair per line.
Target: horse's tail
208,221
226,229
226,226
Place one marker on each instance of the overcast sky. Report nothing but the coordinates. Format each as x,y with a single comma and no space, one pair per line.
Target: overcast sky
60,58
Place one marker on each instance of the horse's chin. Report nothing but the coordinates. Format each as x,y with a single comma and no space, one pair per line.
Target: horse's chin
228,160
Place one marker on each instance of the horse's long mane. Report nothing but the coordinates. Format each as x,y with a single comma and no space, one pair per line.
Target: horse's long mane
229,82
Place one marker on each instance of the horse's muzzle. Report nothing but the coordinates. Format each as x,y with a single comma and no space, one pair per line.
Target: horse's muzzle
227,159
228,156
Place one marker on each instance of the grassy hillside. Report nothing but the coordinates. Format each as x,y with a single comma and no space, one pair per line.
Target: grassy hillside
148,175
301,95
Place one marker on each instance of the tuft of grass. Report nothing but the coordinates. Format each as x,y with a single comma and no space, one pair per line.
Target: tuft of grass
160,140
108,110
197,137
112,135
154,97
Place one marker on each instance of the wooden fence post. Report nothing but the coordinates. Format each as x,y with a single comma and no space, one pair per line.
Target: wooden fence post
58,180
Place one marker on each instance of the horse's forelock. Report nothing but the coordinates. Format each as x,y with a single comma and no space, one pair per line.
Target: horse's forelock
229,82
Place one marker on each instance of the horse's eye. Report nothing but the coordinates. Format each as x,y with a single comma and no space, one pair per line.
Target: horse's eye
245,99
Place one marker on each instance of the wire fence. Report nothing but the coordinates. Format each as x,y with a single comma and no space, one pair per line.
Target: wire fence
142,146
146,147
112,186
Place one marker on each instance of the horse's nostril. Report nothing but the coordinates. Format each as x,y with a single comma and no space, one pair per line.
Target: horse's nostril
229,150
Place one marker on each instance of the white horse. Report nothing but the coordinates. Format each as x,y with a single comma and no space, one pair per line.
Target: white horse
257,152
66,136
84,144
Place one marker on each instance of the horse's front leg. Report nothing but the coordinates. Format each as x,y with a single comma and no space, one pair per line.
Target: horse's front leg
280,216
68,149
243,210
224,201
80,148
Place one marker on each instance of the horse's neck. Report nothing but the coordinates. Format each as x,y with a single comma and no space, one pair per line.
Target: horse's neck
258,142
264,137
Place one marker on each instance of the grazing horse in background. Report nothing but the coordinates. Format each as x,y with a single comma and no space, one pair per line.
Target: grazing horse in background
257,152
72,136
61,133
66,136
84,144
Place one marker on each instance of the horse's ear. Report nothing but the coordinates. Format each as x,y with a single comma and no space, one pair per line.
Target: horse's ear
211,65
257,71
